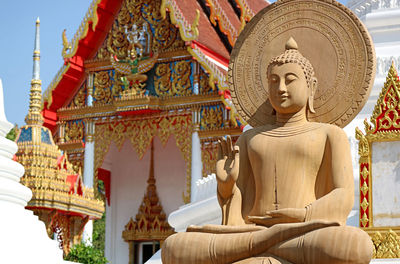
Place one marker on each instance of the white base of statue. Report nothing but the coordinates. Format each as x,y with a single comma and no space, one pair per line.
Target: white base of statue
204,208
23,236
386,261
155,259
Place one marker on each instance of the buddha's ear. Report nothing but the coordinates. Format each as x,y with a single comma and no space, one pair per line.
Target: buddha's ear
313,88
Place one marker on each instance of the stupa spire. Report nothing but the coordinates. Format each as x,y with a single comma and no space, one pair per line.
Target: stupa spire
36,53
34,116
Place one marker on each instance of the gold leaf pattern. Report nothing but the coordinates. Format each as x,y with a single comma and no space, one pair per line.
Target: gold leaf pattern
364,188
102,88
364,220
364,204
364,172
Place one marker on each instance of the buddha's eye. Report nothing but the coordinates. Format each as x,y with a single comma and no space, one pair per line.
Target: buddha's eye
290,78
273,79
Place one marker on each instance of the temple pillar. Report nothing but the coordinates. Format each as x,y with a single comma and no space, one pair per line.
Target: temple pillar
88,165
88,173
89,84
61,132
196,163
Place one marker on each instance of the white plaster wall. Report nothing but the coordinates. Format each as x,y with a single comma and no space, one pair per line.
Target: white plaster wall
128,185
382,19
386,183
128,180
170,173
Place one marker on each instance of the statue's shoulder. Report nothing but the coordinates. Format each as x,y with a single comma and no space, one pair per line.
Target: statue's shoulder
247,135
333,132
250,133
330,128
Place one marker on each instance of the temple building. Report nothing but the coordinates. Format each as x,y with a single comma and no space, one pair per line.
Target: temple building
59,197
139,104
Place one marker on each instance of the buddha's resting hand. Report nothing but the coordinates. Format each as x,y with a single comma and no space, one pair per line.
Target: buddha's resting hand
227,166
281,216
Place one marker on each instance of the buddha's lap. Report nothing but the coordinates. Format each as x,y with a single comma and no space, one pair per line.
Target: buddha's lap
340,243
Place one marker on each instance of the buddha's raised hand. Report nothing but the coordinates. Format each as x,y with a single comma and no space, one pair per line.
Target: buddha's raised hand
227,164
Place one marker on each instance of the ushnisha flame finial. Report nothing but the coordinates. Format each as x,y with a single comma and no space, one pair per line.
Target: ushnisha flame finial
291,44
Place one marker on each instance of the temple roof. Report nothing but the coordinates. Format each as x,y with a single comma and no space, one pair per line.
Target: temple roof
209,27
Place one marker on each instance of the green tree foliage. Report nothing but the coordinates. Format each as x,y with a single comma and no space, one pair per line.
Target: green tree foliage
12,135
99,233
86,254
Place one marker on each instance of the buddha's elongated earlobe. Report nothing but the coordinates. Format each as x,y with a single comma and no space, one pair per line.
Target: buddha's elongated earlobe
313,84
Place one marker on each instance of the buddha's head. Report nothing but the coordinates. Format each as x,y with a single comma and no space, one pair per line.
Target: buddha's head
291,81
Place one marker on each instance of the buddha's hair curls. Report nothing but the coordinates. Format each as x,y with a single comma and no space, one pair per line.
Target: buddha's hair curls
292,55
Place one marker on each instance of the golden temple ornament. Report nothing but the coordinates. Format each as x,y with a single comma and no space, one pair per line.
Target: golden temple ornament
59,197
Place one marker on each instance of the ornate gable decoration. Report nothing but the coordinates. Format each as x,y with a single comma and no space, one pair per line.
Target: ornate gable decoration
385,117
156,32
384,126
150,221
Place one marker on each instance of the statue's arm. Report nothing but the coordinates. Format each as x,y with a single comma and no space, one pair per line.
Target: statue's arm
336,203
231,164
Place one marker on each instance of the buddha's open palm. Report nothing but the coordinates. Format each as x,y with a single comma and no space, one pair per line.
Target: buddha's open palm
228,161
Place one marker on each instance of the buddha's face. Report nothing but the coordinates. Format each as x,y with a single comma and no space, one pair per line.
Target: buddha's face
288,89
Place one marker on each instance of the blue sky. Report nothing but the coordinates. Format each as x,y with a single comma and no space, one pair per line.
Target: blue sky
17,31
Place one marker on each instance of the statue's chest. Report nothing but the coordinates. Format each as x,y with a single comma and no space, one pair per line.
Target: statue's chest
306,149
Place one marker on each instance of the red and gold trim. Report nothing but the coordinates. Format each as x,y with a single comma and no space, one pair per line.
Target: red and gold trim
385,127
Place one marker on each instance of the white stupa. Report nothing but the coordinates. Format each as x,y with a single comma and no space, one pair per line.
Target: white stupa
23,236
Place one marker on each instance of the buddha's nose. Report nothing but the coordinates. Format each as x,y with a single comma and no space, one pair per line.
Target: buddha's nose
282,87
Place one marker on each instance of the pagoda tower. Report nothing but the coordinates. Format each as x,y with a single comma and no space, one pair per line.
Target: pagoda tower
17,222
59,196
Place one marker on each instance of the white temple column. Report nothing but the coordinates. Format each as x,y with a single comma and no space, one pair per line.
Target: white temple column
197,166
88,173
89,84
88,163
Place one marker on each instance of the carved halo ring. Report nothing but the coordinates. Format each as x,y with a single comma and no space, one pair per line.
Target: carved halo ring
329,35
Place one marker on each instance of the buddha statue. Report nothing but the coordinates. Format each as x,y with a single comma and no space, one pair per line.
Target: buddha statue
285,189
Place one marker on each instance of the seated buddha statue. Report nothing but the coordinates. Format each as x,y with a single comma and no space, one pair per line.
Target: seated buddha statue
285,189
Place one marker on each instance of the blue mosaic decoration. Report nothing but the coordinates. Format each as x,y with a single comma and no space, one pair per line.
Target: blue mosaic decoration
212,117
25,135
45,136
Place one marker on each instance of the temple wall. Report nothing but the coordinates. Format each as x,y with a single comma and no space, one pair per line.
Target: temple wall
382,19
386,183
128,185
